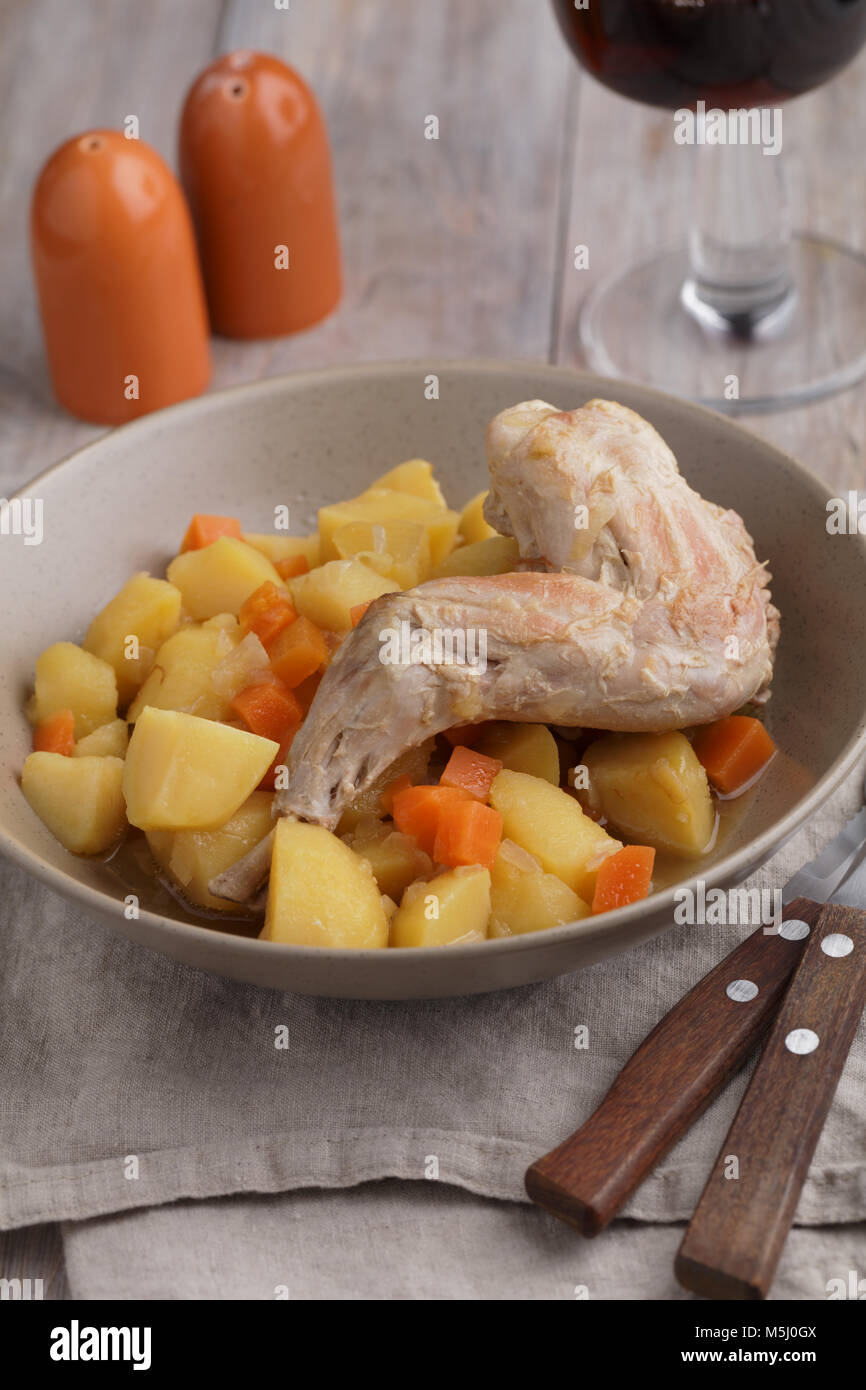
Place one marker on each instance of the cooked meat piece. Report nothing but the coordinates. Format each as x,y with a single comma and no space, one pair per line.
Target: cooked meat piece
639,606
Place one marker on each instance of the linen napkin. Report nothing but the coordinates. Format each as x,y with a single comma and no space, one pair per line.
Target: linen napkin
394,1242
127,1080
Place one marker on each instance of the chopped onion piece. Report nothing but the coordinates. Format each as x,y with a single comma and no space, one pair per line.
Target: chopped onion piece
246,664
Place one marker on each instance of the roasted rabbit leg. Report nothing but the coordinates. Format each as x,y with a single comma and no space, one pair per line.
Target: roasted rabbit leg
638,606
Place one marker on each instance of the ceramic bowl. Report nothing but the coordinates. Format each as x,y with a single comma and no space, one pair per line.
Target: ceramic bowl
121,504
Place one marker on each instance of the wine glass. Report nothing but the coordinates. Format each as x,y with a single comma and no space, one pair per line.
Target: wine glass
742,315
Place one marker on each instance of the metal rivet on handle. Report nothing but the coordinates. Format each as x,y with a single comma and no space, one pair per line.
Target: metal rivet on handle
794,929
741,991
837,944
801,1041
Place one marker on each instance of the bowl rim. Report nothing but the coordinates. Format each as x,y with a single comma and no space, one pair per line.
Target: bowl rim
236,946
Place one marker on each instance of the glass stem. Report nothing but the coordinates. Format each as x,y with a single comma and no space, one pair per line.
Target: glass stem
739,240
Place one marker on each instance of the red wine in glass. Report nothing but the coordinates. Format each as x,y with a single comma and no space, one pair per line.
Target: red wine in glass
728,53
742,299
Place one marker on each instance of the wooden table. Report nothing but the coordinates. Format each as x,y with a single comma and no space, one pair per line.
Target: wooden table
457,247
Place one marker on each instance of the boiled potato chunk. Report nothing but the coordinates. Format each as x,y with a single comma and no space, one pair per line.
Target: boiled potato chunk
653,789
79,799
182,673
523,748
186,773
147,610
219,577
414,476
378,505
399,550
473,526
550,825
275,545
193,857
328,594
396,859
225,622
496,555
453,907
524,898
110,741
67,677
320,893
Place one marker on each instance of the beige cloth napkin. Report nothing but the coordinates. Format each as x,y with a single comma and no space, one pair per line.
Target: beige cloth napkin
127,1080
395,1241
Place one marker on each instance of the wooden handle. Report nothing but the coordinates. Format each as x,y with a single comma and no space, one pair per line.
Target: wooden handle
669,1080
732,1246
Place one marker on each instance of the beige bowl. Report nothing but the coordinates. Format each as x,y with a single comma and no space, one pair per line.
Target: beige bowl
122,503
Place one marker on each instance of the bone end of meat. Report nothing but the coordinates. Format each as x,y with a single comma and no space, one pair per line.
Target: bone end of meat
242,881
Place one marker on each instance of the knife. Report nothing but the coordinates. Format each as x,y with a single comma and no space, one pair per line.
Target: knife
688,1057
732,1245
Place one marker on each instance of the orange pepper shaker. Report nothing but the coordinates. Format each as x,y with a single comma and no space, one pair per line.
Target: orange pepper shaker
256,167
120,289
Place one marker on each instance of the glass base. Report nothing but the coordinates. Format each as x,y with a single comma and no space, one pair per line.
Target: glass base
648,324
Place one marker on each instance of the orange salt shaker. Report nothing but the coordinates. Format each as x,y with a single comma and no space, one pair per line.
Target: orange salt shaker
120,290
256,167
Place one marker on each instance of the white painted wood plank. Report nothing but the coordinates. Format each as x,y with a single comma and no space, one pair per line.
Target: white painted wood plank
630,193
449,245
35,1252
65,68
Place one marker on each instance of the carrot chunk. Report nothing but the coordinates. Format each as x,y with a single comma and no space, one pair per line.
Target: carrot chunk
357,611
56,734
623,878
204,530
292,566
472,771
268,709
464,735
399,784
297,652
733,751
266,612
417,811
468,833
